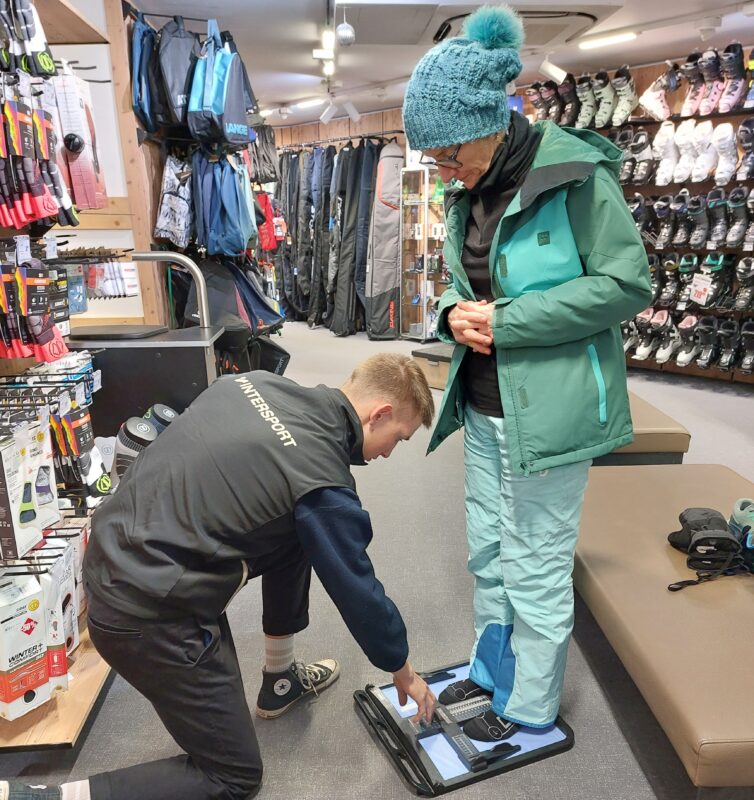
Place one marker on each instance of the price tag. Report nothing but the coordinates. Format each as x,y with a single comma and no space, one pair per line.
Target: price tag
748,247
659,246
96,380
23,249
44,417
711,246
80,396
51,247
700,289
64,400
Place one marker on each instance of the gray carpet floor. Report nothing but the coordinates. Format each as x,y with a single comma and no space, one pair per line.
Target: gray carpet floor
322,750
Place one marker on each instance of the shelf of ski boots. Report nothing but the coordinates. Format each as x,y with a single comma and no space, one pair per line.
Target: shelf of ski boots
700,320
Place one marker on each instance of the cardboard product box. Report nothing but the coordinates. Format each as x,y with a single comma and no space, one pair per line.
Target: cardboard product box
60,553
24,671
75,530
76,116
28,490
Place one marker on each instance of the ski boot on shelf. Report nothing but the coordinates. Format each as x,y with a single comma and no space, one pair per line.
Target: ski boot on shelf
630,334
745,137
641,152
734,73
647,341
749,235
690,347
699,219
665,215
745,294
625,90
623,140
571,102
643,213
709,66
723,296
533,93
679,207
687,268
655,277
706,155
717,207
709,343
549,93
718,268
691,74
684,141
606,99
654,100
747,340
665,153
738,216
730,344
672,283
586,97
724,141
668,338
749,99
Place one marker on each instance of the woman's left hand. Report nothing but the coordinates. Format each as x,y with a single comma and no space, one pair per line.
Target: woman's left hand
479,307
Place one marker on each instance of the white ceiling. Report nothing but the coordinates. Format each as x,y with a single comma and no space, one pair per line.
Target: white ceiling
276,40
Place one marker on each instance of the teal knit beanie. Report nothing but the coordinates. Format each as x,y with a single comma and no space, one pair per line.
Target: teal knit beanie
457,91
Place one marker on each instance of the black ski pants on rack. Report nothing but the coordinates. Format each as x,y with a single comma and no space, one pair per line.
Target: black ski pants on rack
188,670
363,216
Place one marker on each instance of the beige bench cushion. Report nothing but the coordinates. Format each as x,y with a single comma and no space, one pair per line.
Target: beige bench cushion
654,431
690,653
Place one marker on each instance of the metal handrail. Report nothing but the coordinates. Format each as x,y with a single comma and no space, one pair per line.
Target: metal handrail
167,257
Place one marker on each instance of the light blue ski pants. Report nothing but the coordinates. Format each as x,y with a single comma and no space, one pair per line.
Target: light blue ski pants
522,534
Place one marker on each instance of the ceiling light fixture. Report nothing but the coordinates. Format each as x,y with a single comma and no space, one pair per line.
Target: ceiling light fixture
549,70
328,113
344,33
266,112
350,109
317,101
284,112
328,68
328,39
606,41
323,55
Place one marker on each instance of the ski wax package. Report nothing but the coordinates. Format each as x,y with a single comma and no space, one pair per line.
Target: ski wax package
76,117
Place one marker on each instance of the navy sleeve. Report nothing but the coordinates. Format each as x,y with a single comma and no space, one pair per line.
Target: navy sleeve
335,531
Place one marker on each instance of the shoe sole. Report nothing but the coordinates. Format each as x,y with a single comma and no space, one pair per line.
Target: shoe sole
266,714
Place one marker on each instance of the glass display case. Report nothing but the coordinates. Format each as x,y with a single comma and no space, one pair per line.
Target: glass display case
423,274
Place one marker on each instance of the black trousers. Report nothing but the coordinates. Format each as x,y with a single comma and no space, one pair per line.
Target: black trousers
188,669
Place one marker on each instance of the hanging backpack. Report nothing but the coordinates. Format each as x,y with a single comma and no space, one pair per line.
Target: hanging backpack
143,40
252,107
158,99
178,52
217,109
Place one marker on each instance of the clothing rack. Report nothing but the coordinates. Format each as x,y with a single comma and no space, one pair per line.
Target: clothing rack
131,11
315,142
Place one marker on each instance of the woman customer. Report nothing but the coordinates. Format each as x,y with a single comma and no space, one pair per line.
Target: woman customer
545,263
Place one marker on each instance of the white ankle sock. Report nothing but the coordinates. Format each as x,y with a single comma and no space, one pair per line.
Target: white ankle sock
79,790
278,654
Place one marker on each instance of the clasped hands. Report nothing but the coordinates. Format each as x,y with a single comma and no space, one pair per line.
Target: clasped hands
471,324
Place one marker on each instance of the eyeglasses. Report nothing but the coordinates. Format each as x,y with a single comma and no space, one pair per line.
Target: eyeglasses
450,162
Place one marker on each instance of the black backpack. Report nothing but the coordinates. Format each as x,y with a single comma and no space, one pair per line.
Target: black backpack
178,51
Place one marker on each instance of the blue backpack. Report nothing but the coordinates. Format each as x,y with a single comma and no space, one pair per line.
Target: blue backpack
143,40
217,107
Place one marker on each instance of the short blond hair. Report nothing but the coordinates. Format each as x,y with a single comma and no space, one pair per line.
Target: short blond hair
399,379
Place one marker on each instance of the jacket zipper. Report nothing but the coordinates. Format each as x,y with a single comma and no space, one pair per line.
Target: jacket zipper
598,376
244,579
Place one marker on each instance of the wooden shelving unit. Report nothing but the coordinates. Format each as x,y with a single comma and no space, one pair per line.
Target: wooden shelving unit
64,24
58,723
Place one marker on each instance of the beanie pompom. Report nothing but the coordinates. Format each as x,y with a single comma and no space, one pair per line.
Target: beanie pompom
495,27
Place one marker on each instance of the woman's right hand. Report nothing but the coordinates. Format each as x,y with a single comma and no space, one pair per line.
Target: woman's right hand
471,328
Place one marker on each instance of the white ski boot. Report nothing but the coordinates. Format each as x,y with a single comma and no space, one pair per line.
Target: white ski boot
684,140
665,152
625,90
724,141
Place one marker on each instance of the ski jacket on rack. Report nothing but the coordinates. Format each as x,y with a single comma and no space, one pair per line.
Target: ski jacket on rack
383,275
567,265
